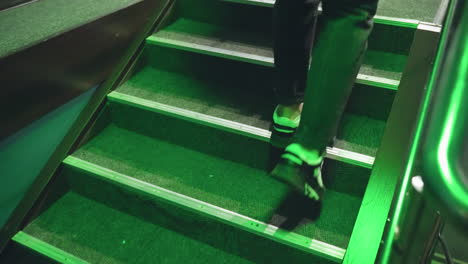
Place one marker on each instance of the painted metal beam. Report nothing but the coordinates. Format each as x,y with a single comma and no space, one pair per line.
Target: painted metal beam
372,220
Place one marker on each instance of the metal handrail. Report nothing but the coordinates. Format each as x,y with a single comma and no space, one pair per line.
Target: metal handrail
444,142
414,220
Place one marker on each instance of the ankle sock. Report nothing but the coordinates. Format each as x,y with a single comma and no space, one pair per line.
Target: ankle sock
284,121
311,157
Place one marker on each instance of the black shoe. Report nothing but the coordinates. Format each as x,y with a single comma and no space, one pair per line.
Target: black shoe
301,176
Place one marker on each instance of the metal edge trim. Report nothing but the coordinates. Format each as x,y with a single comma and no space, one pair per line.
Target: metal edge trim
230,126
265,3
213,51
255,59
46,249
374,217
49,170
430,27
306,244
378,82
350,157
385,20
396,21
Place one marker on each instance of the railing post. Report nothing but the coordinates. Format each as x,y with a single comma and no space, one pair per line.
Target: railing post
366,239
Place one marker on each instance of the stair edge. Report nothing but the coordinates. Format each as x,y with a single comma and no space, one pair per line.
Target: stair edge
386,20
245,223
334,153
46,249
375,81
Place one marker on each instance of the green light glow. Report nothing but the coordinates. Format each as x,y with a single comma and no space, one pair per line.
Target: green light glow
46,249
413,150
446,168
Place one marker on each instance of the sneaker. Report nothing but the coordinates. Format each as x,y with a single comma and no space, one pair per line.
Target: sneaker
283,129
303,177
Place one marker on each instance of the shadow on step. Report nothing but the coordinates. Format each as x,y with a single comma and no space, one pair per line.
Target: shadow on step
195,226
295,210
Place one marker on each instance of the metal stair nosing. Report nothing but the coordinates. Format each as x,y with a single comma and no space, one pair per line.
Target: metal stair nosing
43,248
393,21
267,61
338,154
309,245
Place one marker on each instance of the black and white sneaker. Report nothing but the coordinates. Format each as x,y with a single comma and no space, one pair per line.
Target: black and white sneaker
300,172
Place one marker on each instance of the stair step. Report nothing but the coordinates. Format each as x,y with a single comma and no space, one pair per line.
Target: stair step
265,3
40,25
213,86
394,12
230,126
389,35
48,252
99,233
85,177
221,180
382,68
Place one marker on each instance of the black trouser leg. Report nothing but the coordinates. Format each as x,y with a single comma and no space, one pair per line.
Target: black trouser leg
293,28
337,57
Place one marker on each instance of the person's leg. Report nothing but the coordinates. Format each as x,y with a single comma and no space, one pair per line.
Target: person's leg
293,30
336,58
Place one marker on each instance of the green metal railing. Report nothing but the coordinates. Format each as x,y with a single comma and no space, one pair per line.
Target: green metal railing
445,138
435,180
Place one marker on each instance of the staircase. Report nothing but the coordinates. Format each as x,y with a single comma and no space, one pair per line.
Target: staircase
176,169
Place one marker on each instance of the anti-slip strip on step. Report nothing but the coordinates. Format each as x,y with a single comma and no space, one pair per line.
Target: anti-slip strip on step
295,240
46,249
266,3
210,48
377,82
393,21
230,126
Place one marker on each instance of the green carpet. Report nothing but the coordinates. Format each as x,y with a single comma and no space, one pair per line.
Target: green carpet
100,234
104,223
231,240
379,64
383,64
224,96
360,134
217,91
215,180
27,25
423,10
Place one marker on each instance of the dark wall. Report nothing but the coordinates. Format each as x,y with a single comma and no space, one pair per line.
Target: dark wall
4,4
42,77
50,90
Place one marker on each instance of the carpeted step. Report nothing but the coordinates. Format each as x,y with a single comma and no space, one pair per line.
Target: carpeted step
214,167
390,34
256,47
390,11
27,25
213,86
99,233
